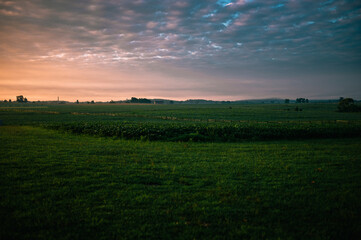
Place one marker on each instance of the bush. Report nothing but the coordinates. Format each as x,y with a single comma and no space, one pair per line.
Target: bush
348,105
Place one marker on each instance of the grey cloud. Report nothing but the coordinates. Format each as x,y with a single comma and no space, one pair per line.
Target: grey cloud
233,37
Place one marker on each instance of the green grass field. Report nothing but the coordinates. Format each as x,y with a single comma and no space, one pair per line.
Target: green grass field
60,185
37,113
203,123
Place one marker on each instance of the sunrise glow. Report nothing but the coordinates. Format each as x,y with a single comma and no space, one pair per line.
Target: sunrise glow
220,50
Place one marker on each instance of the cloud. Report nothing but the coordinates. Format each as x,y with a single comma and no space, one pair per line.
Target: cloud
233,37
103,29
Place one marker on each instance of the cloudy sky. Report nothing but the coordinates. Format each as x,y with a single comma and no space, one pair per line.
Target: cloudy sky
211,49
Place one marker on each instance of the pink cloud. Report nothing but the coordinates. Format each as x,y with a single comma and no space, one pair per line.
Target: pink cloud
181,4
242,20
151,25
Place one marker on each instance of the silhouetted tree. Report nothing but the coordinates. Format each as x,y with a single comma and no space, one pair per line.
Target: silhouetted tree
20,98
287,100
348,105
139,100
300,100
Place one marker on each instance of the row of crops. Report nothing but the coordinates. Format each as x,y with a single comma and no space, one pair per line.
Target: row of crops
203,132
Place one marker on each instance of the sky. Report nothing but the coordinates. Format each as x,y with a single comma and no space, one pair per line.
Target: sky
206,49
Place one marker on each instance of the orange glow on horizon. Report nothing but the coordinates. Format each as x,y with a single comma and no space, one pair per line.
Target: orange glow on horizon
47,81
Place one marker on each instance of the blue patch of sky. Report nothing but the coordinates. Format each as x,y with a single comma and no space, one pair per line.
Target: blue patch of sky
325,8
235,15
159,14
229,21
327,2
216,46
195,9
224,3
335,20
211,14
278,5
226,23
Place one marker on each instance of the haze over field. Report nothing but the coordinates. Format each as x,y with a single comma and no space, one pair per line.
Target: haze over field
220,50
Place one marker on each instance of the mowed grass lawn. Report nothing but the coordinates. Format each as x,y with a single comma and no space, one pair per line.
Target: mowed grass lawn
60,186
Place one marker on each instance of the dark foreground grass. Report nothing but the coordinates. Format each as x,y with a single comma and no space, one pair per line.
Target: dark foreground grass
62,186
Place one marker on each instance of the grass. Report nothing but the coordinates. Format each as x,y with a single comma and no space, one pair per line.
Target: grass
205,123
25,114
58,185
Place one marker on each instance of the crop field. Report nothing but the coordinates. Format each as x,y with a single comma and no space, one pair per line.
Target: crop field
247,171
204,123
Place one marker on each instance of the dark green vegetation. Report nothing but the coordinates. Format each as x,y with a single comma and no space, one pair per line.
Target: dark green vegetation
205,123
59,185
212,132
348,105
